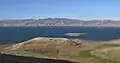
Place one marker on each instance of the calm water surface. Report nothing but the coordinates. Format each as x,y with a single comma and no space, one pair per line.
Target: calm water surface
18,34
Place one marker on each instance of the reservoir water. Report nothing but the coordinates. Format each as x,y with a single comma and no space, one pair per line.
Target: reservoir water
19,34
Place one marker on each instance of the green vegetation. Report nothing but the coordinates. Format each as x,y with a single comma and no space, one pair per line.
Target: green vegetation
85,54
111,45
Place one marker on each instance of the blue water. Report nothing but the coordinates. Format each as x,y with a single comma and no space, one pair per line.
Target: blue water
19,34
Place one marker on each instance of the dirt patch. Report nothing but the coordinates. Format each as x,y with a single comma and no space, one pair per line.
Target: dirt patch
117,41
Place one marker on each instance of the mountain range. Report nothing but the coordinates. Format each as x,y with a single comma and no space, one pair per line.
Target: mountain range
58,22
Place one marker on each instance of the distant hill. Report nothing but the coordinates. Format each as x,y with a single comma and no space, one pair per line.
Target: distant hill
58,22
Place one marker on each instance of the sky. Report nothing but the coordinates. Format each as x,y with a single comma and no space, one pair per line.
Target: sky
78,9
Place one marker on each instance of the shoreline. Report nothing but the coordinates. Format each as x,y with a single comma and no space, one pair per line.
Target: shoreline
63,26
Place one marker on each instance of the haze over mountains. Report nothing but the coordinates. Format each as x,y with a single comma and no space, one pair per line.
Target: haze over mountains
58,22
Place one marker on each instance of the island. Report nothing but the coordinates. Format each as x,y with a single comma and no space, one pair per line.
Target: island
74,34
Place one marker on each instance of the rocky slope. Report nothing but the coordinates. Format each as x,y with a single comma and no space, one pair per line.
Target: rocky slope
44,42
46,47
42,47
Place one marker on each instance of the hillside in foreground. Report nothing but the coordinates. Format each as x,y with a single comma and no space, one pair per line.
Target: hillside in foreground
80,51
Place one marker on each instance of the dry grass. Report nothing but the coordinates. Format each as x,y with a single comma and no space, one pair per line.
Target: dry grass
107,53
88,52
113,42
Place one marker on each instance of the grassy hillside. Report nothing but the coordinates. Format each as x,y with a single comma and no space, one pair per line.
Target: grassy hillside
62,48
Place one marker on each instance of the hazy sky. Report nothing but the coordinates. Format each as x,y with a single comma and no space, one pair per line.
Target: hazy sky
82,9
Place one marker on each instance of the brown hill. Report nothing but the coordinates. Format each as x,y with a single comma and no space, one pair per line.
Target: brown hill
48,46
